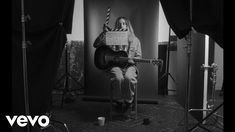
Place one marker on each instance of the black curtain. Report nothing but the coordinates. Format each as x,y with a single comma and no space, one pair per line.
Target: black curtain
207,17
50,21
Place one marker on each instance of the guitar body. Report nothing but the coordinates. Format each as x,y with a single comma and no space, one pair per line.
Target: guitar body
106,58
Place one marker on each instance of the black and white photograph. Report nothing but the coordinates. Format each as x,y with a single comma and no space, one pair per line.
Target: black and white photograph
117,66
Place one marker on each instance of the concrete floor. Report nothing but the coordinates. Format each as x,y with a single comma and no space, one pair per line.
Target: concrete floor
166,116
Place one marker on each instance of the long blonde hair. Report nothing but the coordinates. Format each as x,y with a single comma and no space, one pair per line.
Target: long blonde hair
131,34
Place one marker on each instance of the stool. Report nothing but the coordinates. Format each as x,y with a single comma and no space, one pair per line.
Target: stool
111,99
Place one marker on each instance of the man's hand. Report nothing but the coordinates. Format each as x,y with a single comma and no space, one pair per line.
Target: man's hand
106,28
131,61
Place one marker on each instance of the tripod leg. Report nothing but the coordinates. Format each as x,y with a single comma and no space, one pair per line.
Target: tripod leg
75,81
65,90
207,116
205,128
172,78
59,80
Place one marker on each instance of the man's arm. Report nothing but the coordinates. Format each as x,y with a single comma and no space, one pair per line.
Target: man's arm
100,40
138,53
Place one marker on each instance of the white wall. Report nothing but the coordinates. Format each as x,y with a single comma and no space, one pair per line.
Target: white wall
78,22
163,29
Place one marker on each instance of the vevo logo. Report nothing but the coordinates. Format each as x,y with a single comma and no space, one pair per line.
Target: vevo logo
22,120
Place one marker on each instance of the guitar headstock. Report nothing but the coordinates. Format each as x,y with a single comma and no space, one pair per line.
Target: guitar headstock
158,62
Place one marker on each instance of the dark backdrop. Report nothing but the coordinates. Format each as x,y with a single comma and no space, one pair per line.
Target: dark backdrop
144,18
207,17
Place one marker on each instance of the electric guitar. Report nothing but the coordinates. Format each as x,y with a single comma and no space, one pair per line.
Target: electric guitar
106,58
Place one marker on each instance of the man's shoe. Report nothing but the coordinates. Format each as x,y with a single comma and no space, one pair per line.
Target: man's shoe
129,105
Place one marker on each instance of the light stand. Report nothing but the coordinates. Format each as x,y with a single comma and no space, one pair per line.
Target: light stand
24,55
187,91
206,67
211,107
165,75
189,50
189,45
206,107
25,73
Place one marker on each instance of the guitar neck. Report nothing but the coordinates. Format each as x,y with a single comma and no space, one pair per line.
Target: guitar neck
137,60
142,60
